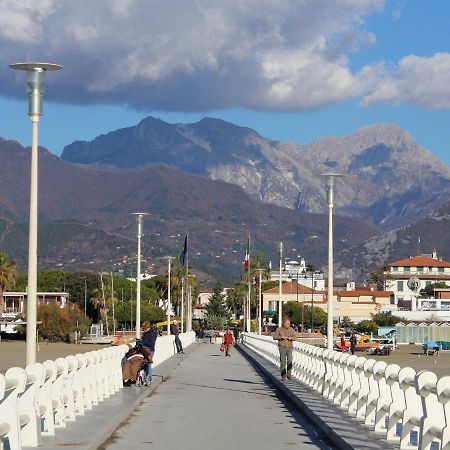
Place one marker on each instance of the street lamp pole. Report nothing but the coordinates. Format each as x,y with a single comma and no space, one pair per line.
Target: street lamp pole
169,305
280,289
85,297
139,219
35,89
330,183
260,300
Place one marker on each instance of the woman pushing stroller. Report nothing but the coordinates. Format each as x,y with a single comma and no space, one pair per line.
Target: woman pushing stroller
140,358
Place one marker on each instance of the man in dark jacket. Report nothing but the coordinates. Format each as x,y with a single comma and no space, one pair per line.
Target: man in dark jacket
175,332
148,339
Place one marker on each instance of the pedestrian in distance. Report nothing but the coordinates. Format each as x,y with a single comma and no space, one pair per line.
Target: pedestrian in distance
175,332
228,341
285,336
342,343
353,343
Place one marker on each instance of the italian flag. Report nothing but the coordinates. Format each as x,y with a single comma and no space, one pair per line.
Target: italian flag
247,255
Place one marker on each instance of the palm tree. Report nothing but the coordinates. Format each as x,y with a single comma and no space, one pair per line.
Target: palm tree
236,297
8,273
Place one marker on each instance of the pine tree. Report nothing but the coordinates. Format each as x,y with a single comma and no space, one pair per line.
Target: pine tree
216,310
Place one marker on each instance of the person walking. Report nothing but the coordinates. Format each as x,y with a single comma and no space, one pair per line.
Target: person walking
149,336
342,343
285,336
228,341
175,332
353,343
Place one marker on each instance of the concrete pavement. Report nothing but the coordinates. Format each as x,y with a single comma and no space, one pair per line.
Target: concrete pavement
215,402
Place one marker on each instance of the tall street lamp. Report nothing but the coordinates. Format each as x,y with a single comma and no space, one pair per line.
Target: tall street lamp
35,89
259,299
280,289
169,303
139,219
330,183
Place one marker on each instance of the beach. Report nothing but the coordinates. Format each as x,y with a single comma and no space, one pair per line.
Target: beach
12,353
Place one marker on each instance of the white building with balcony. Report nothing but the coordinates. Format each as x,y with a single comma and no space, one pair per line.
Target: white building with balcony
427,269
295,270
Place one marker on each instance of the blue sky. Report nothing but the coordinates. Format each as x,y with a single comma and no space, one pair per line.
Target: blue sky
296,72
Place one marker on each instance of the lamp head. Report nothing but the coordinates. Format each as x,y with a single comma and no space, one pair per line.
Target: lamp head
330,184
35,83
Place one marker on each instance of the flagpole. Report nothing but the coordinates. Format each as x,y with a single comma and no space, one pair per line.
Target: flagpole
189,301
249,290
182,305
280,303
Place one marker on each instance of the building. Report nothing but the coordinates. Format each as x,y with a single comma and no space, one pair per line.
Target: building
356,303
15,302
200,306
428,269
294,270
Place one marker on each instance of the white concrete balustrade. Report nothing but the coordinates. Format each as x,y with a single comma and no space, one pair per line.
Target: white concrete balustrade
41,399
397,403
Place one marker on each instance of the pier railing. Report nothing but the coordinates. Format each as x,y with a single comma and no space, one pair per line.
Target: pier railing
43,398
408,408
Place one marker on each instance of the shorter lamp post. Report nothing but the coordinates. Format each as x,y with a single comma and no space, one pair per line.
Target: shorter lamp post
139,219
330,183
85,297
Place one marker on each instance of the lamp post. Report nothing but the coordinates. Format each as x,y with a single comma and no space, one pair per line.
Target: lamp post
85,297
169,305
330,183
139,219
259,300
280,289
312,300
35,89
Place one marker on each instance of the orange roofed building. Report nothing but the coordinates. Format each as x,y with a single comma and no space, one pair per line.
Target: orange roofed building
357,304
427,269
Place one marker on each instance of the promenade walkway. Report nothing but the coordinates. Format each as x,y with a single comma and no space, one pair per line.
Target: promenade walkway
215,402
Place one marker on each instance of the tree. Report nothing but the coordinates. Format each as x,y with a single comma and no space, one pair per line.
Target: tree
347,323
58,324
216,309
293,310
386,320
8,273
379,276
429,289
236,297
367,326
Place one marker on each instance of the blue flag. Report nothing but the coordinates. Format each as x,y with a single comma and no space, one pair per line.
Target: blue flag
183,255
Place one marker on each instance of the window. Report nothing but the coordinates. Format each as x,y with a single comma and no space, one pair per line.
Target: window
272,306
419,269
406,269
400,286
440,269
394,269
427,283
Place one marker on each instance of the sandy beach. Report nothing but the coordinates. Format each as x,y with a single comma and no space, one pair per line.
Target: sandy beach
412,356
12,353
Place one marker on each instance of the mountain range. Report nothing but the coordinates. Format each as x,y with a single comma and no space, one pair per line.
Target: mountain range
390,180
218,181
86,221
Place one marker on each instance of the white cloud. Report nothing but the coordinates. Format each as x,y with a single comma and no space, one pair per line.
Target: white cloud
207,54
423,81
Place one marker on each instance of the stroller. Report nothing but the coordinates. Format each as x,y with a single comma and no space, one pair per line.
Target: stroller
137,360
